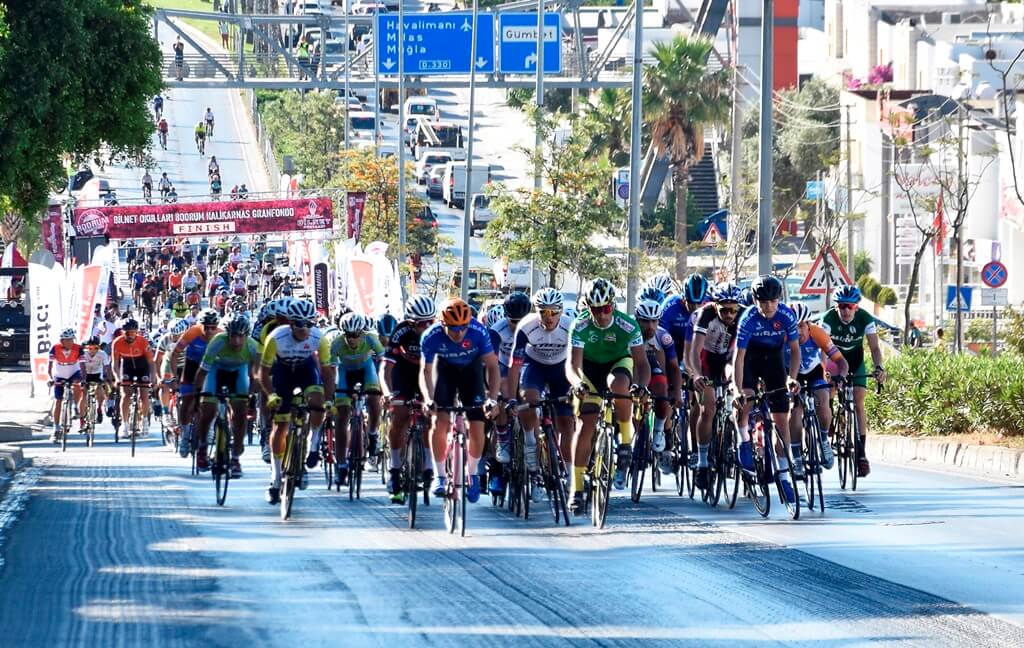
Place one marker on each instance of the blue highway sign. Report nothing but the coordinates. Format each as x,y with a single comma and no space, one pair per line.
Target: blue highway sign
517,43
435,43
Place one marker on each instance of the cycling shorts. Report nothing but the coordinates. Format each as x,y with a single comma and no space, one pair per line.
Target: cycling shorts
766,363
93,378
712,365
464,381
349,378
537,375
135,368
188,376
285,380
595,377
859,375
237,382
660,380
405,381
813,379
503,370
58,384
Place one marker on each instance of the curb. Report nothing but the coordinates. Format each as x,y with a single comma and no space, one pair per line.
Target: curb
992,461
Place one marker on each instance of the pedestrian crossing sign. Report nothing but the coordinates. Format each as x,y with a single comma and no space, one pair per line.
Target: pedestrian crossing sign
827,273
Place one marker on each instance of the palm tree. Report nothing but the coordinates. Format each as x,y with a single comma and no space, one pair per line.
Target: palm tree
680,97
606,122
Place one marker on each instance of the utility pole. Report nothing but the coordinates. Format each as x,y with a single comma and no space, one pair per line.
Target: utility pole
736,150
961,207
401,143
468,202
538,169
348,59
765,220
849,199
376,93
636,131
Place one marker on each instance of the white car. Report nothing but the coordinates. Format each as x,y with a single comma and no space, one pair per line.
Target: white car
422,107
435,182
426,163
367,7
480,213
307,7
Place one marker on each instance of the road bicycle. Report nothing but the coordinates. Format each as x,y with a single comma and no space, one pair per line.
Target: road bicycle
134,422
845,435
724,447
812,450
601,468
65,416
294,467
220,461
90,413
162,136
680,439
209,128
201,145
456,465
147,193
644,458
766,466
553,477
414,479
357,441
326,450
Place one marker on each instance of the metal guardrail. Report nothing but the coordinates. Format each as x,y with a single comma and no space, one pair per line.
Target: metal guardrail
264,142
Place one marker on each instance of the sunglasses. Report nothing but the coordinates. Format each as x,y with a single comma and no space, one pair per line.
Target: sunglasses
300,325
847,306
601,310
456,329
353,336
423,323
728,310
548,312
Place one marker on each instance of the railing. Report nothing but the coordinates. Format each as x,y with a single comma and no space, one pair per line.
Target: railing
264,142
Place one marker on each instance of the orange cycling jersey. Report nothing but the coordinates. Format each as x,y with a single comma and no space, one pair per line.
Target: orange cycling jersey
137,348
175,279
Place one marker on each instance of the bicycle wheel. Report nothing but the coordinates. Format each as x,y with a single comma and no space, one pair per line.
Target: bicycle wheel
681,453
289,482
451,500
758,483
793,508
729,470
221,461
133,422
355,454
602,480
843,449
637,463
465,483
526,482
811,457
716,480
413,471
855,450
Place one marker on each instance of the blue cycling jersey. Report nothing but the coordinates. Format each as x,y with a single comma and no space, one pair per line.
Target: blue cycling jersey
676,319
435,343
754,330
810,355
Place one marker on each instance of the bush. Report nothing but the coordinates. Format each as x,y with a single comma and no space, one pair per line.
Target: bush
886,296
933,392
869,286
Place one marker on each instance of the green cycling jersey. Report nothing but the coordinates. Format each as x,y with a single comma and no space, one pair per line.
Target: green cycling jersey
604,345
350,358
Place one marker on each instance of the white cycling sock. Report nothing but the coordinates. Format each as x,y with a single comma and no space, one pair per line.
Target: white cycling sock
277,470
314,443
439,467
659,425
794,449
702,455
784,466
472,463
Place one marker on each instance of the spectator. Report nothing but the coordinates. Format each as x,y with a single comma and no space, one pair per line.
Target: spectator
303,59
223,26
940,339
179,57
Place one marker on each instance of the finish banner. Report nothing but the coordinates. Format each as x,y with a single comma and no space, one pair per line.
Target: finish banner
187,219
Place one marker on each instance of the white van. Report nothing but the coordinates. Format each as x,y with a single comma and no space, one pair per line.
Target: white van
453,186
422,107
360,125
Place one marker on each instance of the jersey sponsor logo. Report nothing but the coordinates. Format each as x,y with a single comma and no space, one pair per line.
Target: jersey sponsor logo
609,337
593,337
776,326
466,344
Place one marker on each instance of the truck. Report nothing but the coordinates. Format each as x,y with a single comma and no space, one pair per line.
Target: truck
453,186
437,137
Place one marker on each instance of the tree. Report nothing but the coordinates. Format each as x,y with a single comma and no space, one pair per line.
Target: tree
556,227
681,96
605,123
310,128
75,76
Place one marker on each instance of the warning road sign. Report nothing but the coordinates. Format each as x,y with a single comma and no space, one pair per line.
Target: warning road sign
713,236
827,273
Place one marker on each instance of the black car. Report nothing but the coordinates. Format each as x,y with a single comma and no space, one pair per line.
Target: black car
425,217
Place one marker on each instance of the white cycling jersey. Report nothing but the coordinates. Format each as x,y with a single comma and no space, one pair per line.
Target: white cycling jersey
94,363
507,333
538,344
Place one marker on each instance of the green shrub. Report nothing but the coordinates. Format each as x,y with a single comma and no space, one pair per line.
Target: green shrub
869,286
933,392
886,296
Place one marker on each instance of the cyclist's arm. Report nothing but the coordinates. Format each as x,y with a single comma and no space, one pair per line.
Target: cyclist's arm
493,375
516,368
387,366
794,355
642,368
876,351
737,368
829,350
675,386
427,380
115,362
574,367
691,361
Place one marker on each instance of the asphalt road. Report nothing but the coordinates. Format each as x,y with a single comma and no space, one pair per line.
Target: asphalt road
102,549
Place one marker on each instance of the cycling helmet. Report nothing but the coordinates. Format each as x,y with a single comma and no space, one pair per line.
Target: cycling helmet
128,325
178,327
93,341
517,305
301,310
421,308
67,334
766,287
802,312
602,293
209,317
455,312
846,295
651,293
386,325
283,304
727,292
746,297
351,323
269,310
695,289
548,298
494,315
663,282
369,324
648,309
239,325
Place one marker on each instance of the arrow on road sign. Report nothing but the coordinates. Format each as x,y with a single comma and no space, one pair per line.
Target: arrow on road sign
530,61
387,63
481,62
825,275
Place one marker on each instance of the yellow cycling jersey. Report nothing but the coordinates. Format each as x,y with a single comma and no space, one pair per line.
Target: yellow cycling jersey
281,346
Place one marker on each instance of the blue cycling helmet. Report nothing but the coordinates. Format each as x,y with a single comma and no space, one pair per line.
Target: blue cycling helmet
386,325
846,295
728,292
695,289
651,293
747,297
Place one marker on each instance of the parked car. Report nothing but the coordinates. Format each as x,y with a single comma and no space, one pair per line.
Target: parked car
425,217
428,162
454,190
480,213
435,182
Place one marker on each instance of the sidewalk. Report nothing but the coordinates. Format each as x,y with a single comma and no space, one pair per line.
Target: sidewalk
22,417
948,455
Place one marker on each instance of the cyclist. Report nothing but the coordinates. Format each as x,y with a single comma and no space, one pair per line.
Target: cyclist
147,185
849,326
162,128
95,367
238,285
762,332
677,319
295,356
215,187
386,326
208,118
229,361
814,342
607,353
200,132
169,373
63,368
172,195
252,282
538,363
213,168
243,193
457,353
158,106
165,185
132,358
355,354
401,377
665,374
192,345
503,332
714,341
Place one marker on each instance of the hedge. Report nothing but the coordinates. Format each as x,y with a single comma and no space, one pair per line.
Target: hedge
934,392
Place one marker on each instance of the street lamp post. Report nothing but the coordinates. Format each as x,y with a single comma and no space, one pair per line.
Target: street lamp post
633,272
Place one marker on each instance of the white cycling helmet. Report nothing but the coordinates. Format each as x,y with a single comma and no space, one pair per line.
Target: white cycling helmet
602,293
351,323
301,310
548,298
421,308
648,309
802,312
663,282
67,334
178,327
494,315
